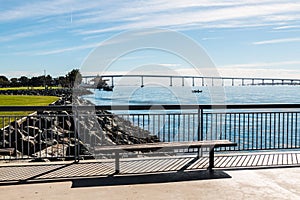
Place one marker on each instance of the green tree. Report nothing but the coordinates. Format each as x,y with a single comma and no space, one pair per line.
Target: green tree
14,82
37,81
49,80
24,81
4,82
61,81
74,78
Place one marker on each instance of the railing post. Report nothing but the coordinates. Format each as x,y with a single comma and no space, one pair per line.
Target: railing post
76,134
200,128
200,124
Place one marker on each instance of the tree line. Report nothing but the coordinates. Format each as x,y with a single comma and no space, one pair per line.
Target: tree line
72,78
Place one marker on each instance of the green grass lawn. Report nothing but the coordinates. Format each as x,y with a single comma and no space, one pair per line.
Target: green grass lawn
17,100
26,88
23,100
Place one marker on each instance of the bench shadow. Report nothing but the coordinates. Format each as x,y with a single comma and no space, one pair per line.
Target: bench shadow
166,177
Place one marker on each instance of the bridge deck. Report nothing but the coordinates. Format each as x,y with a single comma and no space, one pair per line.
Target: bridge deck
202,80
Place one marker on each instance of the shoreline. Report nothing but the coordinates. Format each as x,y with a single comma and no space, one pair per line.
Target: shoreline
52,134
45,92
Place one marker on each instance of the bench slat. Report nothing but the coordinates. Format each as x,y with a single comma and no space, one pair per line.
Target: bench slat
6,151
158,145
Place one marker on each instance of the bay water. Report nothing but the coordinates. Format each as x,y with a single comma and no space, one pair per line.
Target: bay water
124,95
253,130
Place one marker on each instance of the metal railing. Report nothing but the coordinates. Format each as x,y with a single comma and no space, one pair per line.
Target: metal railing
65,132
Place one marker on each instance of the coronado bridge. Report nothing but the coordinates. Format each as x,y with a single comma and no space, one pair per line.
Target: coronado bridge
196,80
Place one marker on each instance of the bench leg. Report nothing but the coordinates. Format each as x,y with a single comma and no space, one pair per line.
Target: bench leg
117,163
211,158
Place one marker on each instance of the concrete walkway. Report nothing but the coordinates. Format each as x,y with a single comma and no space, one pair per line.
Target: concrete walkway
271,183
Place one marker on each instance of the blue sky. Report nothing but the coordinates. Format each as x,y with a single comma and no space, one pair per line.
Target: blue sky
250,38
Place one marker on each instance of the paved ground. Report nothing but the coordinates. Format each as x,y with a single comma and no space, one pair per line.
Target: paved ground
40,171
271,183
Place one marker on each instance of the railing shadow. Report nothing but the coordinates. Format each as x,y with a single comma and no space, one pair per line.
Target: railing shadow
143,171
87,174
26,174
45,173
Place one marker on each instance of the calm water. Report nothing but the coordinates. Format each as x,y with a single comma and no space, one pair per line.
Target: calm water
250,131
183,95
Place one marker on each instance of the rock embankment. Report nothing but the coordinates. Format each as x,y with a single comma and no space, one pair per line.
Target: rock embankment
55,134
45,92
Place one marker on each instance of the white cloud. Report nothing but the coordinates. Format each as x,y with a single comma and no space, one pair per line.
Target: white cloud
169,64
173,15
259,73
251,70
24,34
12,74
276,41
262,64
286,27
75,48
40,9
117,15
112,10
212,38
246,72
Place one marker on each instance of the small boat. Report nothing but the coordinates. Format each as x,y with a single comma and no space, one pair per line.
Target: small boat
196,91
107,88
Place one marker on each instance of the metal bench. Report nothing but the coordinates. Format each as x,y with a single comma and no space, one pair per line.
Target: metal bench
6,151
211,144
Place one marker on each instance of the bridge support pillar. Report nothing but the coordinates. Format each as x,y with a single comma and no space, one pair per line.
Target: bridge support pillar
112,81
142,81
171,81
